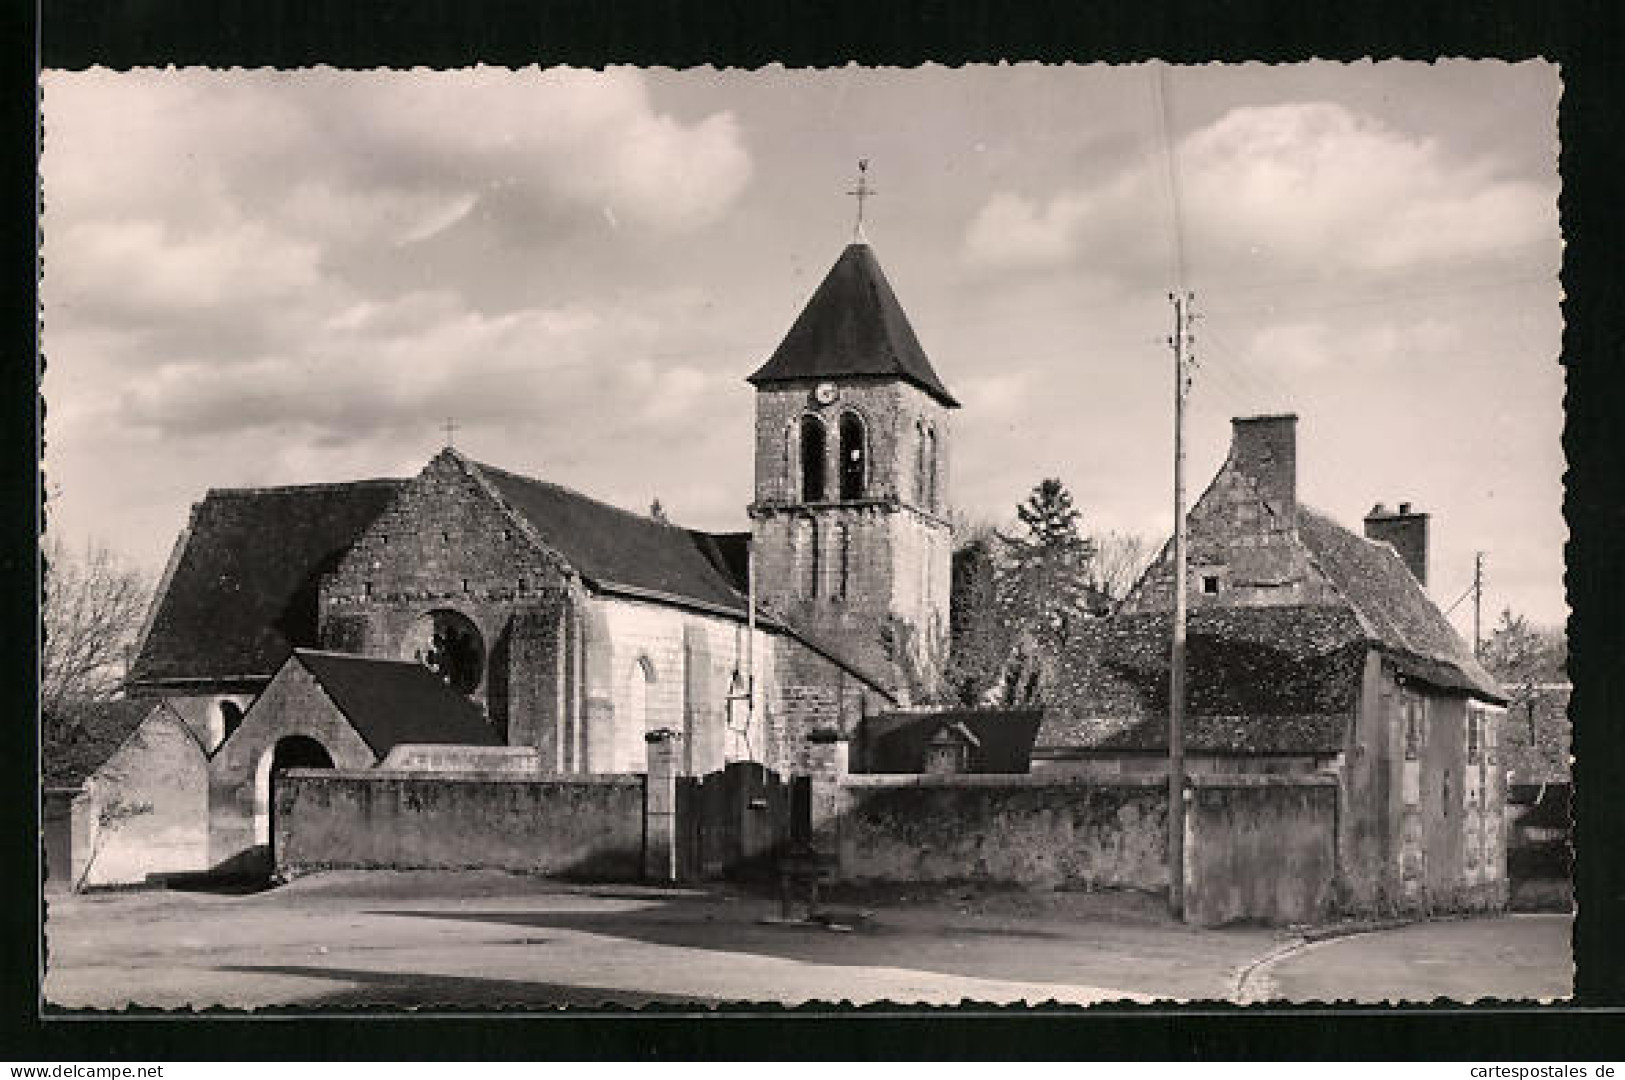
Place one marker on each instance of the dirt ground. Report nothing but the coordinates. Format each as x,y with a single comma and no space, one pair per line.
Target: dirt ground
489,940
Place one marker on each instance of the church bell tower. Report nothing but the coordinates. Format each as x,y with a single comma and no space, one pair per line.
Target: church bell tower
850,517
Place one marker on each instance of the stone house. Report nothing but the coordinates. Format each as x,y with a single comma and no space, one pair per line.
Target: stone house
1310,648
574,628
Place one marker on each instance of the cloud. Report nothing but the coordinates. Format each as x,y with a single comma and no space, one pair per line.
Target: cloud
227,252
1012,232
1313,189
1307,346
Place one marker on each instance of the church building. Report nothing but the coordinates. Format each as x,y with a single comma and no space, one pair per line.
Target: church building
573,627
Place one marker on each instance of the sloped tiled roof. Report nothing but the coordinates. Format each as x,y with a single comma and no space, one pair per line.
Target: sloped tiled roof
1536,735
1002,738
243,589
1392,606
390,702
1260,680
618,550
97,730
853,325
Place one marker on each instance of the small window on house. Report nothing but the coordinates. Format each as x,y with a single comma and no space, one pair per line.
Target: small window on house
507,534
1475,735
445,537
383,539
366,588
524,586
1210,584
1413,726
466,588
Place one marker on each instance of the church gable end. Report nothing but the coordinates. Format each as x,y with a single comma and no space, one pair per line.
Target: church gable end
443,538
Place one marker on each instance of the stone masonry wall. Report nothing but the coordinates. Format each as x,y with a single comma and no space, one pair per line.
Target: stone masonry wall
894,561
444,544
1255,554
1261,849
576,827
293,704
1025,831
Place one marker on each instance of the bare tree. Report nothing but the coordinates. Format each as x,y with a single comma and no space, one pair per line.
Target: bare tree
91,614
1120,558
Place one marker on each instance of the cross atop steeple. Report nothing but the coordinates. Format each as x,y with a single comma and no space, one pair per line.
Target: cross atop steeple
861,192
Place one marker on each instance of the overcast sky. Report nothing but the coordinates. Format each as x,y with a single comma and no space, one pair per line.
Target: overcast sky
274,278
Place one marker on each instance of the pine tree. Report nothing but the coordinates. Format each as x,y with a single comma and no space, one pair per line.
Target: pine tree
658,512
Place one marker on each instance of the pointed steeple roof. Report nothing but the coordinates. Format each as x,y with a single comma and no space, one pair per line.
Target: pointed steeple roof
853,325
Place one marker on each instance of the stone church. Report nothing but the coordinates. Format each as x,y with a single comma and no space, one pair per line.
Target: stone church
574,627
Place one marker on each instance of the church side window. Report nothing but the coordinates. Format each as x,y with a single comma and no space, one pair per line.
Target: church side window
812,459
853,457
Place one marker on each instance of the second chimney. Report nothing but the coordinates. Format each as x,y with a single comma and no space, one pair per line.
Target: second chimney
1265,449
1407,530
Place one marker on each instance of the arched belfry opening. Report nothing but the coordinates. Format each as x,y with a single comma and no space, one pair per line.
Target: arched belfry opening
854,457
812,459
450,645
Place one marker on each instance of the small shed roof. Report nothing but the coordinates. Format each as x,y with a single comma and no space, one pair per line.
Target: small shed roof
390,702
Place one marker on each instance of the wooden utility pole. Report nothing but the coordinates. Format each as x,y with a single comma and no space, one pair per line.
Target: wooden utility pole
1181,341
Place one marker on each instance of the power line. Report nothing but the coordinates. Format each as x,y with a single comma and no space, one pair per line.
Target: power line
1165,133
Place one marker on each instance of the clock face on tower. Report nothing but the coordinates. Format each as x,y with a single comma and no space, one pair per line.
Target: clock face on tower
825,393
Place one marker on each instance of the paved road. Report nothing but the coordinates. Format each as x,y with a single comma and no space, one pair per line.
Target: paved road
423,940
1511,957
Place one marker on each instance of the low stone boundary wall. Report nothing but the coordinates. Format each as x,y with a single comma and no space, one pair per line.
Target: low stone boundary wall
1260,848
1257,848
565,826
1022,830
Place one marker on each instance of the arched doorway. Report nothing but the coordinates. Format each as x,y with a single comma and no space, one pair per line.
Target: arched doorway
290,752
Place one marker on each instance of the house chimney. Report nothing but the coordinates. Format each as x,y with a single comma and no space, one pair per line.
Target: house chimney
1265,449
1407,530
